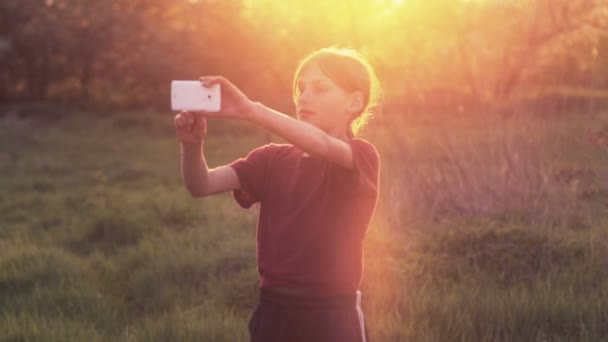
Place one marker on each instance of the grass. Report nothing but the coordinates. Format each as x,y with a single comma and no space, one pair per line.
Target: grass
100,241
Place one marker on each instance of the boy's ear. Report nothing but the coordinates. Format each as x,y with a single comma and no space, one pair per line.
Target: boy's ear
355,104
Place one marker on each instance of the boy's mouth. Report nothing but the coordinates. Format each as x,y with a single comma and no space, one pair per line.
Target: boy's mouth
304,113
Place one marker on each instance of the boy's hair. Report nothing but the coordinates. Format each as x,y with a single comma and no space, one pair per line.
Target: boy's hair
350,71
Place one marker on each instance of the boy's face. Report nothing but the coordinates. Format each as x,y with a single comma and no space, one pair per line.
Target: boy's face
321,102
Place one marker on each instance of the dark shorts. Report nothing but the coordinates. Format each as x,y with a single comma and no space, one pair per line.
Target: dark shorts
279,317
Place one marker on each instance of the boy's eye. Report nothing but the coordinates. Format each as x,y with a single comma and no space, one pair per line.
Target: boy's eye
314,88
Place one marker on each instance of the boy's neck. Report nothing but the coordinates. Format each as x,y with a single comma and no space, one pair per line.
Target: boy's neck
339,134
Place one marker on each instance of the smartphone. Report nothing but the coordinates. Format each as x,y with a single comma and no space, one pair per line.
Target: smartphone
191,95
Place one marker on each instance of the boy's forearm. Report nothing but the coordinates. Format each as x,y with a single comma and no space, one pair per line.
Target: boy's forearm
194,168
307,137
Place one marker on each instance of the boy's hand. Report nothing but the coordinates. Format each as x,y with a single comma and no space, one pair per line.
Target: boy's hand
234,103
190,127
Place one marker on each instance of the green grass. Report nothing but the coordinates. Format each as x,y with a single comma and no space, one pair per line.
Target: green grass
100,241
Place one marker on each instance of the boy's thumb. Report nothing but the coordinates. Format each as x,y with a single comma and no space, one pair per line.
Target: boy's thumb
201,121
198,116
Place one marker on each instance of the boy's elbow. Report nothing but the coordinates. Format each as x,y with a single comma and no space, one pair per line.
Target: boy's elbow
197,192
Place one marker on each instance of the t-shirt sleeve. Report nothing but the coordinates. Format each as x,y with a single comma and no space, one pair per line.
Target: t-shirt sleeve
252,173
364,175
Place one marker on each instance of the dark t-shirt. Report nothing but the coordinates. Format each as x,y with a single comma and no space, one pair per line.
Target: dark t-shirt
313,216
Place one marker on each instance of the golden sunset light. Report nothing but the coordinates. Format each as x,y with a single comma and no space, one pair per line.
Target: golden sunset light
290,171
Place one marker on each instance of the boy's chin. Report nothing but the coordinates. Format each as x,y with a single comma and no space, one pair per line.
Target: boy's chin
307,119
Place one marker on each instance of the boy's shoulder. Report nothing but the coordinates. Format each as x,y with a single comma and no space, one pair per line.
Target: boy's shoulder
363,144
361,141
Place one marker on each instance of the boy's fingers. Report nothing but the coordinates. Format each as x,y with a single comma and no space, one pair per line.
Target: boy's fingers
184,114
181,121
199,118
178,120
207,114
188,119
210,80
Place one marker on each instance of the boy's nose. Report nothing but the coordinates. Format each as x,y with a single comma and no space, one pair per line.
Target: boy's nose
303,99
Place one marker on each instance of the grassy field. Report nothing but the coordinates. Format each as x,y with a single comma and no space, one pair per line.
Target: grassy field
485,232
